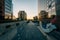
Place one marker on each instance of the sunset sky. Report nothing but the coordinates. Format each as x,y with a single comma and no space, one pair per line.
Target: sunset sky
29,6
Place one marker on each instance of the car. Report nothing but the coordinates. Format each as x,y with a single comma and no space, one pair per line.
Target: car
50,27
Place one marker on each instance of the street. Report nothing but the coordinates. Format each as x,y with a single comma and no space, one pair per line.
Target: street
24,30
28,31
29,19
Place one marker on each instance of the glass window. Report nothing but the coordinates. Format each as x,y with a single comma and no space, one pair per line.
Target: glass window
53,11
53,4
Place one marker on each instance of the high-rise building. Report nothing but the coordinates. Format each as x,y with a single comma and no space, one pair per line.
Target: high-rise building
6,9
22,15
42,5
51,5
54,9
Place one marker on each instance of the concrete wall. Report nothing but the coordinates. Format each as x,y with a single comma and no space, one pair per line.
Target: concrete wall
8,30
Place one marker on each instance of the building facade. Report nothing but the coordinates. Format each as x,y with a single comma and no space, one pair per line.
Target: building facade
51,5
22,15
42,5
2,9
43,15
35,18
54,9
6,9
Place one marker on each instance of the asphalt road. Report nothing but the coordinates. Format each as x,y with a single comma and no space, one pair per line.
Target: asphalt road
28,31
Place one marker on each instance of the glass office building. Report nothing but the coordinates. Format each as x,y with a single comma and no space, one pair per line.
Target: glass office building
51,4
54,9
6,9
42,5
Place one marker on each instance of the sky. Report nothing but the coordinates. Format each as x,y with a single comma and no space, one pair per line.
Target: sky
29,6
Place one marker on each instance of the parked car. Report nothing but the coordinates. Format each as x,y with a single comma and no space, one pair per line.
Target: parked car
50,27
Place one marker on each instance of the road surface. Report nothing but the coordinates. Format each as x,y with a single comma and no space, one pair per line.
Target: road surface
28,31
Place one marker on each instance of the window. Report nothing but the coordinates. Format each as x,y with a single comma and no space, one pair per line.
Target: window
53,11
53,4
49,6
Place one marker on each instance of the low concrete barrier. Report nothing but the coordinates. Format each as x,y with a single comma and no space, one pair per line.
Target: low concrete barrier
8,30
5,26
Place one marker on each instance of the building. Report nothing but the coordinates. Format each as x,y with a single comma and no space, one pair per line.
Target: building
35,18
43,14
51,7
54,9
42,5
22,15
6,9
